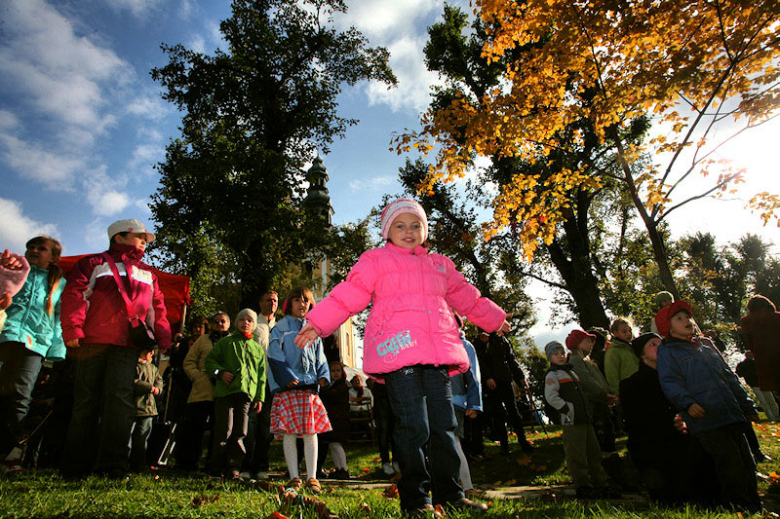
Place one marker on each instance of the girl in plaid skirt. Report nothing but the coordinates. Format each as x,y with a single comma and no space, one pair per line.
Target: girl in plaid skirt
296,375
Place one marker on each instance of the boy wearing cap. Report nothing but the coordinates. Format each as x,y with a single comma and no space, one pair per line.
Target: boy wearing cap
563,392
595,387
698,382
95,318
238,364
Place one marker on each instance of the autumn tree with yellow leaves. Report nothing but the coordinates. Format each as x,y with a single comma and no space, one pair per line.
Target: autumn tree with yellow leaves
688,66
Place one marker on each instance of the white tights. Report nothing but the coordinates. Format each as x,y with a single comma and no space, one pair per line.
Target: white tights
309,453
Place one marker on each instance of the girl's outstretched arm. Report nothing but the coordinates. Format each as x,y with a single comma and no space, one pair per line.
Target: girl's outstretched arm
306,336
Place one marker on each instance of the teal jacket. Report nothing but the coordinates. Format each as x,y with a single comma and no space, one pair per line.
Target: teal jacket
27,321
245,359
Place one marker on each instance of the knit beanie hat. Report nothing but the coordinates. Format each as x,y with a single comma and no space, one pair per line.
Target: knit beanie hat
247,311
401,206
552,347
575,338
12,280
663,319
639,343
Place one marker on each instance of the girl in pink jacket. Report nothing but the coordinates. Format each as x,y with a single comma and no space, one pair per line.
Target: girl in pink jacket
412,342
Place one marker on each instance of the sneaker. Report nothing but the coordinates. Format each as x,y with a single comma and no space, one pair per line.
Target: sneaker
396,467
313,485
465,503
262,475
388,469
294,484
245,475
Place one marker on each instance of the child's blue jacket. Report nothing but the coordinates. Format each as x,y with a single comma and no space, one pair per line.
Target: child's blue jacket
466,388
700,375
288,362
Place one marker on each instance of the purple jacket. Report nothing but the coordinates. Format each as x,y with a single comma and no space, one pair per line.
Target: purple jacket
410,322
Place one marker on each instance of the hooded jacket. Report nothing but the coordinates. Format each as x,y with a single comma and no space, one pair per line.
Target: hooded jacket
699,375
466,388
27,321
94,311
563,392
147,376
410,322
620,362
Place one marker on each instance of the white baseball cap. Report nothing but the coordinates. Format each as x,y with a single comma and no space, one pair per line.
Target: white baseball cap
132,225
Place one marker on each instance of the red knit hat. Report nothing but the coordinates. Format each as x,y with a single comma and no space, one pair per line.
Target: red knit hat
663,319
575,338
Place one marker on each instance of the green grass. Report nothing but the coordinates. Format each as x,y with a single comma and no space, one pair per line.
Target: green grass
167,493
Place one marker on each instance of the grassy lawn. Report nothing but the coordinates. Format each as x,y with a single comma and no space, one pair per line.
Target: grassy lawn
168,493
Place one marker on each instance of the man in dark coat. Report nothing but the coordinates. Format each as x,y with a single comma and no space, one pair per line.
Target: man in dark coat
499,367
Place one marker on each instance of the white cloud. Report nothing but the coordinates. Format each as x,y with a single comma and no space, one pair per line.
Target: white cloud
383,20
54,170
96,235
138,8
106,196
151,107
57,73
372,183
414,79
16,228
146,155
197,44
8,121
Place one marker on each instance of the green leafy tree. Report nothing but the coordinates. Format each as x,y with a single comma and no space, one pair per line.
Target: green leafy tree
253,116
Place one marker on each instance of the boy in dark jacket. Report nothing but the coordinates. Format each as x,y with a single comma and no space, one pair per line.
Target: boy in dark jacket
148,385
698,382
583,456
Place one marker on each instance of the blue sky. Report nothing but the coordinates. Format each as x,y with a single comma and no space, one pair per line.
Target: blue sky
82,123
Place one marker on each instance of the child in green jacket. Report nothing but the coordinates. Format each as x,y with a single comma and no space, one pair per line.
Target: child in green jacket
147,386
237,363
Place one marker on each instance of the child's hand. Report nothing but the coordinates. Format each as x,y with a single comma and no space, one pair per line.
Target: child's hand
73,343
504,328
155,391
293,383
5,300
323,382
257,406
306,336
471,413
612,400
10,262
226,377
696,411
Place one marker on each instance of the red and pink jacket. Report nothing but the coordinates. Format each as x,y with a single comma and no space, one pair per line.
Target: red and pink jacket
92,309
410,322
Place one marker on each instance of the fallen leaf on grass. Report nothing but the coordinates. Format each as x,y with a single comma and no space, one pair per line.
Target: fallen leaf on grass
365,508
277,515
441,511
774,476
203,499
524,460
510,483
391,492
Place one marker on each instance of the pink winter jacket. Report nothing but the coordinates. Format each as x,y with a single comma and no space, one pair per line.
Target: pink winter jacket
410,321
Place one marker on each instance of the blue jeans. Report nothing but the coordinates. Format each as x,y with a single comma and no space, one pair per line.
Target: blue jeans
421,400
103,408
142,428
19,368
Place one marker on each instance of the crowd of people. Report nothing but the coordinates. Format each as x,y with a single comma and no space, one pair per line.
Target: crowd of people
431,395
